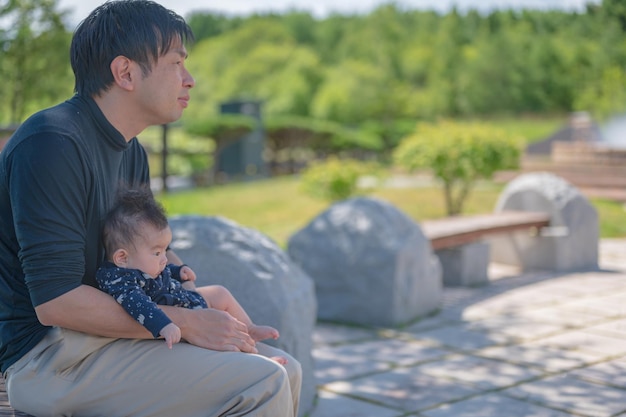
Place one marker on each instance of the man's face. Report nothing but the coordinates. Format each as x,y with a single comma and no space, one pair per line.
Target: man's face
164,93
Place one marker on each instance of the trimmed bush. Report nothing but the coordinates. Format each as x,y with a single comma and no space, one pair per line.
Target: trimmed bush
459,154
336,179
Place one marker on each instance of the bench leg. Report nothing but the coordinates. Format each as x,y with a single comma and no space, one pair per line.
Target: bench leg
465,265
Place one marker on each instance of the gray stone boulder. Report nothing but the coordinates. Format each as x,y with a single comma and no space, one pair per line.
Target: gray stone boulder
270,287
371,264
571,241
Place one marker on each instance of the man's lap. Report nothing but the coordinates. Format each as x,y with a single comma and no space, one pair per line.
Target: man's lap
95,375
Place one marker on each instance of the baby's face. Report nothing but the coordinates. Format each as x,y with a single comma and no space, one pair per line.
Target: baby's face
148,255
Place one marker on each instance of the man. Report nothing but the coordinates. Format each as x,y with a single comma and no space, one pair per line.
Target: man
67,348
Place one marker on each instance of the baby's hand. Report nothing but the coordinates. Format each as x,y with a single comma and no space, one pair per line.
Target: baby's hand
187,274
171,333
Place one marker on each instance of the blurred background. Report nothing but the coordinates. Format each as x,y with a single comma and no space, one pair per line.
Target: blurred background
280,85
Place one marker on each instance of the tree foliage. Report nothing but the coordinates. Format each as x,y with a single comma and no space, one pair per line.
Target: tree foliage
259,60
370,69
396,63
459,154
34,58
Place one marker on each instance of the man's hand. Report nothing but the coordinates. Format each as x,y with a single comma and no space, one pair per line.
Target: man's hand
212,329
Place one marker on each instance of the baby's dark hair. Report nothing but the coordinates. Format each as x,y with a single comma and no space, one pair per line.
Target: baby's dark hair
134,208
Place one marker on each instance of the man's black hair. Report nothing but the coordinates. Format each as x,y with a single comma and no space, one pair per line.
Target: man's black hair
140,30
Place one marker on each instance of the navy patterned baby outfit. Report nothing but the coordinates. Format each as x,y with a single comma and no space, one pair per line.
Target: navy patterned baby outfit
139,293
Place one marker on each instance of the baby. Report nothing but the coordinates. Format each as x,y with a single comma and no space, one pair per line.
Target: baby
136,273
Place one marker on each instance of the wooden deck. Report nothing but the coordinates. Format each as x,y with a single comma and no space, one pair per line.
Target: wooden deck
455,231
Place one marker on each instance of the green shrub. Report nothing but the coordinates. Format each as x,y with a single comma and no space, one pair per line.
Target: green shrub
336,179
459,154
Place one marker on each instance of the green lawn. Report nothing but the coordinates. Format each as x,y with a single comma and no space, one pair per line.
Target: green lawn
275,207
278,208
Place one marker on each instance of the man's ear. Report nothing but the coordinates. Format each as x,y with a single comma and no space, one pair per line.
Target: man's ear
124,72
120,258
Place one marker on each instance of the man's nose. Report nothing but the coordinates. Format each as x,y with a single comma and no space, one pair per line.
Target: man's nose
188,81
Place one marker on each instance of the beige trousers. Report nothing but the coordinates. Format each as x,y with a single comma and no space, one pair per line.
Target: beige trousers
74,374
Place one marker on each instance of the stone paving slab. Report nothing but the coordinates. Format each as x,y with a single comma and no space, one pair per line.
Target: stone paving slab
572,395
518,328
564,315
405,389
492,405
334,405
501,296
533,344
346,362
610,373
586,341
614,328
487,374
462,337
543,357
608,306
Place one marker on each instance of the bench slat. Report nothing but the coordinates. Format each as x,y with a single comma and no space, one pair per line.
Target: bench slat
454,231
5,408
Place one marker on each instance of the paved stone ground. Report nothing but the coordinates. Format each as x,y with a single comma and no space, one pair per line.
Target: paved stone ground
533,344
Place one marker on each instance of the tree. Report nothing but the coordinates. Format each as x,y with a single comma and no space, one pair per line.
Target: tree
606,97
459,154
355,91
207,25
378,39
301,25
615,10
401,64
259,61
34,64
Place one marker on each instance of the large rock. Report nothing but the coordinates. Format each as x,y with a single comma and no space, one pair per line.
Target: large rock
371,264
270,287
570,243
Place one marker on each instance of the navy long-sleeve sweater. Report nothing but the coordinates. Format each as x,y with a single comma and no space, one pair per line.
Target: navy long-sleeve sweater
58,176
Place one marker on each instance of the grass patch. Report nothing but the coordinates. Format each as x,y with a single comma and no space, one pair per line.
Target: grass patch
275,207
278,208
612,218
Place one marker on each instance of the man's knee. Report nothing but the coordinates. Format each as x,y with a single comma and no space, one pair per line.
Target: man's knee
294,369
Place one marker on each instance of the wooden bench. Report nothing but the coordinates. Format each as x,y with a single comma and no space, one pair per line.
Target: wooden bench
450,232
457,241
5,408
